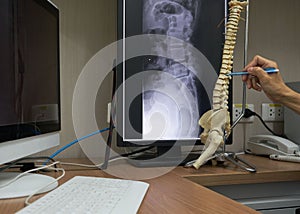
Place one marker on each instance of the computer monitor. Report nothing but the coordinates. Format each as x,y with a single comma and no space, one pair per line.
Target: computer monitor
29,84
162,98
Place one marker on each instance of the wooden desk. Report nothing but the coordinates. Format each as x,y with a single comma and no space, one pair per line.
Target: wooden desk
182,190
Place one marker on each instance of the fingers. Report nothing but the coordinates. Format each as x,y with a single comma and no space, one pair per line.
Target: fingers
253,62
256,61
257,72
245,78
253,82
258,79
259,61
253,72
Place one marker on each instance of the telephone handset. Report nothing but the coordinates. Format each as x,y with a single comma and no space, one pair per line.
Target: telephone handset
271,145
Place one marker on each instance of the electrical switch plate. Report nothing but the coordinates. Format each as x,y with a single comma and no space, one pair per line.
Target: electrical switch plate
272,112
108,112
237,111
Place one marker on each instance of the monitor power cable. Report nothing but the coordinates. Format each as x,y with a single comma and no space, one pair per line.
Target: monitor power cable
115,158
23,163
249,113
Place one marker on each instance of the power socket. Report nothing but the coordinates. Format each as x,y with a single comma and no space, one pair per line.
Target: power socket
272,112
237,111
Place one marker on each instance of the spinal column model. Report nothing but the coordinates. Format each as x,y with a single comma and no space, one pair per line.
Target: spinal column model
216,120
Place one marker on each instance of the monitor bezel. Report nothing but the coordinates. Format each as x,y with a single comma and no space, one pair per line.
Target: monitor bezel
13,149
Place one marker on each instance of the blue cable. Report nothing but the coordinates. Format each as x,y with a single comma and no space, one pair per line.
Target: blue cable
76,141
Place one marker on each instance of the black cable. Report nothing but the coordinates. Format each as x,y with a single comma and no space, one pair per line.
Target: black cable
130,153
11,164
137,151
249,113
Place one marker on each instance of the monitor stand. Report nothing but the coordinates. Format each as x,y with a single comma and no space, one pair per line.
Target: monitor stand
25,185
155,160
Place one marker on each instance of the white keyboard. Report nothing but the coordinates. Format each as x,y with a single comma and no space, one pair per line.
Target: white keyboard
91,195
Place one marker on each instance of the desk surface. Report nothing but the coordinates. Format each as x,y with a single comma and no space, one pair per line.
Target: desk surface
182,189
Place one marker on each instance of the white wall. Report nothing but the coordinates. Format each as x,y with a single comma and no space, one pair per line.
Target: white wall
86,27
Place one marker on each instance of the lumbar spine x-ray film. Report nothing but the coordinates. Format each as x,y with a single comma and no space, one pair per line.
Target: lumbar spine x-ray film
166,115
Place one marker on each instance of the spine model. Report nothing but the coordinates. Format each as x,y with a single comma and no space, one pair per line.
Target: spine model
216,122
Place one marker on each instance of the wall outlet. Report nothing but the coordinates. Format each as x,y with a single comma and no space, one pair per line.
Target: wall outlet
237,111
272,112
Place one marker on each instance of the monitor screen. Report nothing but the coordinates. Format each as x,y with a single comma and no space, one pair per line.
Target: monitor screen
174,90
29,77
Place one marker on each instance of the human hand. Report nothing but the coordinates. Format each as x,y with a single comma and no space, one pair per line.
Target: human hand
258,79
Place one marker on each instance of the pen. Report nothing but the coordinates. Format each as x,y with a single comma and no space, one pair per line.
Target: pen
238,73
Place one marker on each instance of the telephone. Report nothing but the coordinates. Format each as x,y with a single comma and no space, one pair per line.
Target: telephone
271,145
